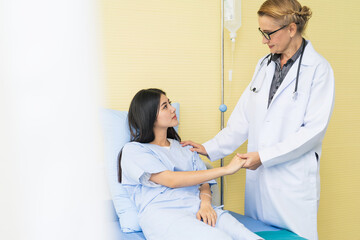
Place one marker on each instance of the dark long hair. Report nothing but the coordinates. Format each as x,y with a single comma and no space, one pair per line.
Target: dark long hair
142,115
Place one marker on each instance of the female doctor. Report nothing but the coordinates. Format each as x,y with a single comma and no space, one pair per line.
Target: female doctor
283,113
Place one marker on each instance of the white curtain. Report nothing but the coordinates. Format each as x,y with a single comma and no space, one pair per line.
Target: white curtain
51,155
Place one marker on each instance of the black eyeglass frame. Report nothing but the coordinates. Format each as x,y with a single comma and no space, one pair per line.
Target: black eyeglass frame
267,35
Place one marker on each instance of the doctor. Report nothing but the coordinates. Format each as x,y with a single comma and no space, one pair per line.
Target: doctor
284,114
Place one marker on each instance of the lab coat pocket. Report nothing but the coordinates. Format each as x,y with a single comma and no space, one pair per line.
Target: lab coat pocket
288,175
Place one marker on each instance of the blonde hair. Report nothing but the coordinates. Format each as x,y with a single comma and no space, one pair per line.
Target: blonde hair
286,12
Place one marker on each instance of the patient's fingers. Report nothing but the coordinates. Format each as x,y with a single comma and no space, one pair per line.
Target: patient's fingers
209,222
235,164
207,214
210,218
205,219
214,219
198,216
243,156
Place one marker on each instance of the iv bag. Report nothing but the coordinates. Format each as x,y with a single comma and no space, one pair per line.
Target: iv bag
232,16
232,22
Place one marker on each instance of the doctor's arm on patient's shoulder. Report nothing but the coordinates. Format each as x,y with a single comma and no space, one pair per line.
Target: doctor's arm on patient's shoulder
310,134
252,158
196,147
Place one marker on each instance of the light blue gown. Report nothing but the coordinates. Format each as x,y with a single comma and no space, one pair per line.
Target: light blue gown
170,213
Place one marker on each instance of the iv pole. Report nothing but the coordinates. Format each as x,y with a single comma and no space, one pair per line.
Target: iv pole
222,107
234,23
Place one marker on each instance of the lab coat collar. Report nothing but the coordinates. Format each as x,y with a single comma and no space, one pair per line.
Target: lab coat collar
308,59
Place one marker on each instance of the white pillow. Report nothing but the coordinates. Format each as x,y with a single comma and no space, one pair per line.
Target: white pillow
116,134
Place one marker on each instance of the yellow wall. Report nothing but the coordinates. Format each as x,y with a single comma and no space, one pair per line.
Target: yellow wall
175,45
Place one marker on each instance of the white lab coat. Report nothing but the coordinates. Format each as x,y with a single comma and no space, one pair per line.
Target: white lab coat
284,191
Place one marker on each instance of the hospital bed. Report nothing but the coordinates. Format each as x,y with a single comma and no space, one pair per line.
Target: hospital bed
265,231
115,135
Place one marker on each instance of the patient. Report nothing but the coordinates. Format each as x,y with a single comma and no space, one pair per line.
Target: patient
169,184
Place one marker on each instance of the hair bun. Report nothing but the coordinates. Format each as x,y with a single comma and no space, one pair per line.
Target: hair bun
286,12
304,12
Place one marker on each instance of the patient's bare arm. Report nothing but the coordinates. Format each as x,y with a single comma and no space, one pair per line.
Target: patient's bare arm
190,178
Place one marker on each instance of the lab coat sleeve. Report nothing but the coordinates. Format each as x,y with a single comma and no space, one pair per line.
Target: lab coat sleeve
317,117
236,131
233,135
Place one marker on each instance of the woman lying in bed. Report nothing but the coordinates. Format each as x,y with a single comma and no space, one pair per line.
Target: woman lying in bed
168,183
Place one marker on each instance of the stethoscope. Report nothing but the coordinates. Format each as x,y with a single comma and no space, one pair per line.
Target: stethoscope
268,57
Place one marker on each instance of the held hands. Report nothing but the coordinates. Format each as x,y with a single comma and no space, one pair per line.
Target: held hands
235,165
252,160
207,213
249,160
196,147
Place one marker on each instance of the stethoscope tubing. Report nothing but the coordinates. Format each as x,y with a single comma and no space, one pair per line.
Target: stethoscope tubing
269,57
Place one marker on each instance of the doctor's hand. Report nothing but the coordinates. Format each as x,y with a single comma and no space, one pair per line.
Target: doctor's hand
196,147
207,213
252,160
235,164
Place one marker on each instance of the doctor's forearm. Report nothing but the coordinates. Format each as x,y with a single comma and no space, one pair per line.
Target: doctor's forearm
297,145
224,143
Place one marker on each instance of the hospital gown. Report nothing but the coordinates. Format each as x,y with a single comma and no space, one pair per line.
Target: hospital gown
170,213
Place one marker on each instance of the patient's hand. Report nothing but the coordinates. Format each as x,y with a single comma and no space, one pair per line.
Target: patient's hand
207,213
196,147
235,164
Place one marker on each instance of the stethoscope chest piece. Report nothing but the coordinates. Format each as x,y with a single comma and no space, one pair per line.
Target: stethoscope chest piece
295,95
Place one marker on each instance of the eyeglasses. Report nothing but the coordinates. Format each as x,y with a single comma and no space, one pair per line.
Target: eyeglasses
267,35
